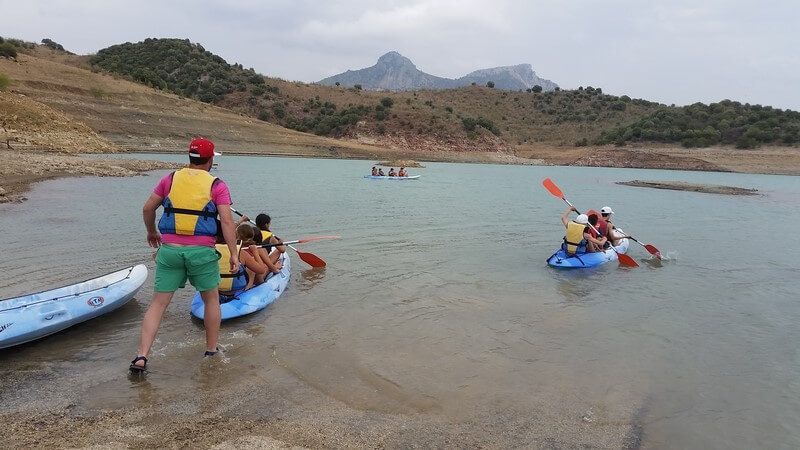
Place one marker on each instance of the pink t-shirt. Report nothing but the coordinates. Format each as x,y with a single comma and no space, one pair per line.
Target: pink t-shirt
220,195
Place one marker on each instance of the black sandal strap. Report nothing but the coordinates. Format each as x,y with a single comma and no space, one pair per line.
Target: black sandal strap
136,368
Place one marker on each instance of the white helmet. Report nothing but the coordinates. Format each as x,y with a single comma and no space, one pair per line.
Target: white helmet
606,210
582,219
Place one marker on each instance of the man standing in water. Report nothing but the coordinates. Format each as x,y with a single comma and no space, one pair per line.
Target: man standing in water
192,198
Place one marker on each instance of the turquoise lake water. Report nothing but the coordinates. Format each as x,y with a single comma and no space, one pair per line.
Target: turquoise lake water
437,304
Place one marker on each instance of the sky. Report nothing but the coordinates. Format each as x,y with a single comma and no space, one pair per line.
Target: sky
670,51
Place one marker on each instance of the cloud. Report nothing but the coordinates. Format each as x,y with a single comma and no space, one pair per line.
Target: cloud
678,51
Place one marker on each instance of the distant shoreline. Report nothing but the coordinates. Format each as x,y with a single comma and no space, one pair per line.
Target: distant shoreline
17,176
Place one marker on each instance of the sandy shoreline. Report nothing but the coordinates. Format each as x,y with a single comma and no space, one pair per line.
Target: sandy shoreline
20,171
692,187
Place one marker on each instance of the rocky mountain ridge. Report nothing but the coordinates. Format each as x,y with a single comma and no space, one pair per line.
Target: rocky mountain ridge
395,72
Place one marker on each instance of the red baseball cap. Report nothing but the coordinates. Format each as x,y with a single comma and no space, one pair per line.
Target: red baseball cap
202,148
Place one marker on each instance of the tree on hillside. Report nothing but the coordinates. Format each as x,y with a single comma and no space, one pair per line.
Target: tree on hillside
357,87
7,50
536,88
490,84
53,44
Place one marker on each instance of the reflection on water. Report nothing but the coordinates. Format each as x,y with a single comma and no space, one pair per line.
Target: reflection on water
310,278
437,306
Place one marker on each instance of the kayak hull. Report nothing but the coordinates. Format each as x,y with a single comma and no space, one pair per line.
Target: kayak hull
34,316
413,177
252,300
560,260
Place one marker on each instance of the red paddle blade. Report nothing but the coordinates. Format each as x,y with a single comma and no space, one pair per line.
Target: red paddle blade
550,186
311,259
653,250
627,261
316,238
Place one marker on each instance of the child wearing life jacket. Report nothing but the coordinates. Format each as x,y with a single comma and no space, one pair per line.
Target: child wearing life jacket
402,172
233,283
580,237
274,267
392,172
380,173
374,171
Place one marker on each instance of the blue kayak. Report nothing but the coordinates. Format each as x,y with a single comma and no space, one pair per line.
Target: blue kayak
252,300
34,316
585,260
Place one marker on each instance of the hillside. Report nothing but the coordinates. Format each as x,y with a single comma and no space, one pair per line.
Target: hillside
273,116
471,118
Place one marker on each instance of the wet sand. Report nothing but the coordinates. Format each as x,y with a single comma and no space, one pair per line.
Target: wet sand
692,187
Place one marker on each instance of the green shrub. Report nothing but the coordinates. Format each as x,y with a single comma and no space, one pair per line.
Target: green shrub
469,123
279,109
4,81
490,84
263,115
258,91
53,45
536,88
387,102
357,87
7,50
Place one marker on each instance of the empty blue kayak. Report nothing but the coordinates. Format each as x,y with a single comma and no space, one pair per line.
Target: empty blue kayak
252,300
29,317
585,260
414,177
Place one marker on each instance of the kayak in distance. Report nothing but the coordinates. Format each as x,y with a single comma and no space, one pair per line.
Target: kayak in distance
376,177
251,300
34,316
560,259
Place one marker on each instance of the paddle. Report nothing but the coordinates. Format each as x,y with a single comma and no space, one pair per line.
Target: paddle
624,260
649,247
309,258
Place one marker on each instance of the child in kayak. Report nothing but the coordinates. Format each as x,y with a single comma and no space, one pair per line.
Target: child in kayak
402,172
374,171
580,238
233,283
274,267
392,172
380,173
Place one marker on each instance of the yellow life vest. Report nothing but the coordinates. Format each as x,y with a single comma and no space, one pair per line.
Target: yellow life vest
230,281
188,209
265,235
574,241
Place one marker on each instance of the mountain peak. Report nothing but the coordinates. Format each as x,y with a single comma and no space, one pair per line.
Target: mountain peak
395,59
395,72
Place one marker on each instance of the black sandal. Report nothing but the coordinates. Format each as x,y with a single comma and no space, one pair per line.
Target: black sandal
138,369
208,353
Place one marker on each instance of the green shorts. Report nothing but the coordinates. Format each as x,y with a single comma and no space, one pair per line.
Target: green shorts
175,264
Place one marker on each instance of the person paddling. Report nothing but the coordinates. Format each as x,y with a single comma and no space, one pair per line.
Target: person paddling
380,173
185,238
606,212
392,172
579,237
402,172
374,171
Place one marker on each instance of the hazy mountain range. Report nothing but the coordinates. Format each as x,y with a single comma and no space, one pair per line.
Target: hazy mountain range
395,72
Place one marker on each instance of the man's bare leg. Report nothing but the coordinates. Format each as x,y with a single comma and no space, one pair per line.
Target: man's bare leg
211,318
151,322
